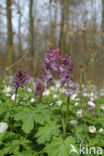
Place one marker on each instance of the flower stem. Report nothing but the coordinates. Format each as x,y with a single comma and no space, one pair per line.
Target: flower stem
16,96
40,98
66,118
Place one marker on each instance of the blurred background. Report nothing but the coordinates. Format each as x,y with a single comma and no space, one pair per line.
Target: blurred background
76,26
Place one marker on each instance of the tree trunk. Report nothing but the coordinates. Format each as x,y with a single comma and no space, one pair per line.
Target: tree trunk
64,38
103,22
19,31
32,33
10,33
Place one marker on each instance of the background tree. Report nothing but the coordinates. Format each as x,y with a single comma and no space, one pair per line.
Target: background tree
31,28
10,32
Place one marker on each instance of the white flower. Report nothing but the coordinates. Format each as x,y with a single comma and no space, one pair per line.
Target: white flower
25,98
77,99
51,104
3,126
32,100
92,104
80,113
85,94
83,85
29,90
73,122
59,103
7,94
101,130
21,102
13,97
52,88
55,96
58,85
92,94
76,104
7,89
102,106
62,90
102,93
92,129
73,97
0,101
47,92
92,98
96,97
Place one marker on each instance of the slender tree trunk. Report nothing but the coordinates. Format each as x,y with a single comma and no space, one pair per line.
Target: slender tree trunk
64,38
103,22
52,25
32,32
10,33
19,31
62,34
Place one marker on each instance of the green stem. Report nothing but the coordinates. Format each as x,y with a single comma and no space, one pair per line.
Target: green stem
66,118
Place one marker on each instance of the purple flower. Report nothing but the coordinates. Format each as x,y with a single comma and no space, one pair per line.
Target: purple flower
50,65
39,88
20,79
67,93
55,63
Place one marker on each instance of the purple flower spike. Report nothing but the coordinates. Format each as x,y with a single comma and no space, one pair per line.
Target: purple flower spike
20,79
39,88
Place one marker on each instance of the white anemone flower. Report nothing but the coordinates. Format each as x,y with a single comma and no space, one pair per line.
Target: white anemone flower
92,94
25,98
47,92
83,85
7,89
29,90
73,97
76,104
51,104
3,127
7,94
101,130
58,85
73,122
52,88
59,103
92,98
62,90
85,94
92,129
55,96
77,99
80,113
13,97
32,100
102,106
92,104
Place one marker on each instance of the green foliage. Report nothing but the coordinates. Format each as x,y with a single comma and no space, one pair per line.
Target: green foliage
46,132
60,147
37,129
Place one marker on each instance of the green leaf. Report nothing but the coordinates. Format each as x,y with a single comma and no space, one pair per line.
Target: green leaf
3,109
10,148
45,133
28,116
28,123
60,147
